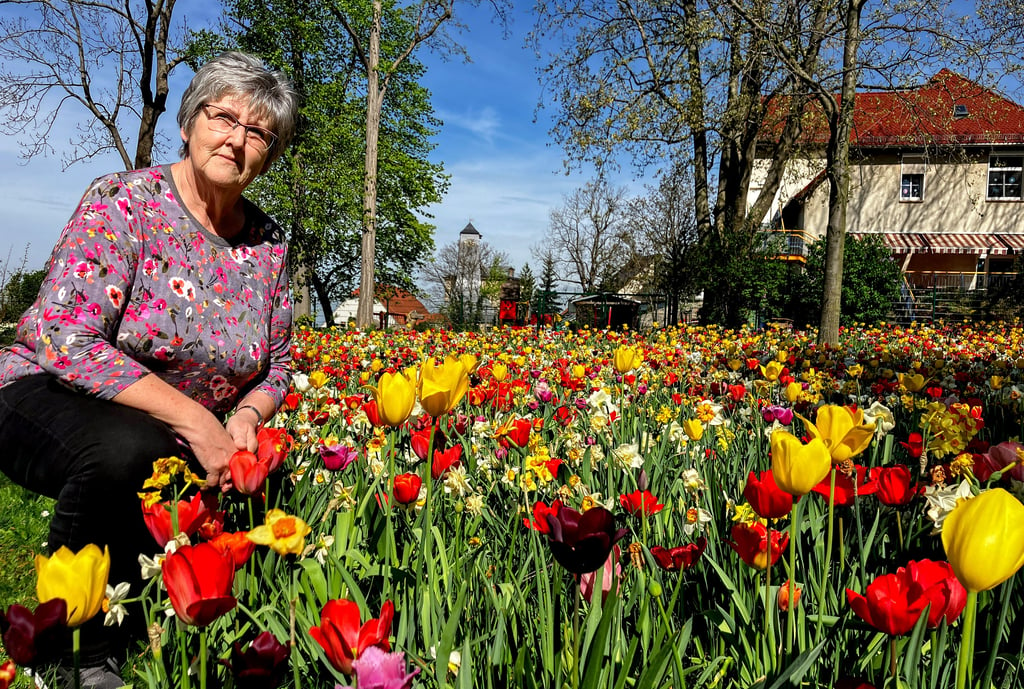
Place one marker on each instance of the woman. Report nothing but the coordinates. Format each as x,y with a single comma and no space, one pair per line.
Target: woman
165,310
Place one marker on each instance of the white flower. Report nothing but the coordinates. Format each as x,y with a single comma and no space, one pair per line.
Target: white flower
115,610
151,566
692,480
676,433
475,504
600,400
301,382
628,455
457,481
881,416
696,518
320,549
942,500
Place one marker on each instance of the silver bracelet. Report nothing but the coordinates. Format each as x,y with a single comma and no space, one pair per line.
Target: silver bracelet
256,411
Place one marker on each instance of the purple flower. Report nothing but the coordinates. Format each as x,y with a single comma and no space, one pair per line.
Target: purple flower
543,391
775,413
31,638
581,542
262,665
337,456
377,669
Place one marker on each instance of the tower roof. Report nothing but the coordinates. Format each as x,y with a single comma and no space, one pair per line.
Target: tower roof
469,229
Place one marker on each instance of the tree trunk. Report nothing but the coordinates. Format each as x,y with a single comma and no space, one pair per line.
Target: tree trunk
323,297
838,166
374,101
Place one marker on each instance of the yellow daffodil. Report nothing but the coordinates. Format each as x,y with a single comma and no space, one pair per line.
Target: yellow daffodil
626,359
284,533
442,387
983,539
395,395
842,430
797,467
79,578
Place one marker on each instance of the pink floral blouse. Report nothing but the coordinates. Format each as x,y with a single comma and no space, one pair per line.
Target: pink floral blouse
136,286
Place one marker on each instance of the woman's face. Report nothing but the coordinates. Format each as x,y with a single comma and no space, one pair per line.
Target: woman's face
229,160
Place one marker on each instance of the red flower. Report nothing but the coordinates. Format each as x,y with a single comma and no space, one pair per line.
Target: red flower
262,665
893,603
1001,457
341,637
445,460
247,472
846,490
370,409
519,432
751,543
737,392
274,445
421,441
31,638
680,558
407,488
895,485
564,416
8,671
198,580
914,445
766,498
581,542
237,545
639,503
191,515
540,516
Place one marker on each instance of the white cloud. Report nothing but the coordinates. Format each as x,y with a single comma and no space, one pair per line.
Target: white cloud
483,123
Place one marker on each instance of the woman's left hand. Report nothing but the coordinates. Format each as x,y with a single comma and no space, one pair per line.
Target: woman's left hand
242,427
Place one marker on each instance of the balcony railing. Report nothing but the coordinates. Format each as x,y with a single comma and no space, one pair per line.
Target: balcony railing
792,244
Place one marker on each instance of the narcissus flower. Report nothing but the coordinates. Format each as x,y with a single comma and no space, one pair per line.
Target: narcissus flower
79,578
442,386
626,359
984,540
395,396
284,533
796,467
751,543
581,542
341,637
198,580
843,431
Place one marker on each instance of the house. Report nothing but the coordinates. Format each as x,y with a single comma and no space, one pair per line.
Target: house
935,172
392,306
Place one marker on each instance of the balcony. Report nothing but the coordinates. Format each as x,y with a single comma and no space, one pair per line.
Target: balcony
790,245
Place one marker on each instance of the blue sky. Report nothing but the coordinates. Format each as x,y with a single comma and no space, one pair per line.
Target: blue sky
506,176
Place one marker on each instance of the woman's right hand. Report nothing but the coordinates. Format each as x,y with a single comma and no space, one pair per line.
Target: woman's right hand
213,446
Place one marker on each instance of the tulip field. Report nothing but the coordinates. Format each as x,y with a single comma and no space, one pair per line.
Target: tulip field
677,507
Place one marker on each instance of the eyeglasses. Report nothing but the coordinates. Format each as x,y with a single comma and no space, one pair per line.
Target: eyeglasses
221,121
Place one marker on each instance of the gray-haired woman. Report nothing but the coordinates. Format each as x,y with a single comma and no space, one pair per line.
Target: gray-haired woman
165,310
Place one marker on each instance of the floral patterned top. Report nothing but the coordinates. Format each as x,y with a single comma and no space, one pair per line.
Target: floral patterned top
136,285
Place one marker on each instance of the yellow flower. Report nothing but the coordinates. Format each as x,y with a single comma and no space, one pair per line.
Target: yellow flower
842,430
283,533
499,371
771,371
694,429
912,382
626,359
469,362
797,467
442,387
79,578
578,371
984,540
318,379
395,395
793,392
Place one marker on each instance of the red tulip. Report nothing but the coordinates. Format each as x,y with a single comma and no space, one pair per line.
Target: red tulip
914,445
8,671
938,584
581,542
680,558
370,409
540,516
31,638
192,514
895,485
198,580
893,603
639,503
407,488
341,637
519,432
247,472
445,460
751,543
420,441
564,416
846,491
237,545
274,445
766,498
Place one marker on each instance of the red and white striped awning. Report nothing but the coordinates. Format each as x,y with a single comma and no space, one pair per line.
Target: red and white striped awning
945,243
1013,242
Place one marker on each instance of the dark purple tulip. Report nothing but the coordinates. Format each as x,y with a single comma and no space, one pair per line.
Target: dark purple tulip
582,542
262,665
31,639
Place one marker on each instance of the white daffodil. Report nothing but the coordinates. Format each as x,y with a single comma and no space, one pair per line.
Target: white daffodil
881,416
112,604
943,499
628,455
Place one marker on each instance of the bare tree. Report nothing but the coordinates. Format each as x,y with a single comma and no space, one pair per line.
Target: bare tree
463,277
587,234
110,59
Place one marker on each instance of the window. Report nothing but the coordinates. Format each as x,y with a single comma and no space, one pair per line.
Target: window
912,170
911,187
1004,177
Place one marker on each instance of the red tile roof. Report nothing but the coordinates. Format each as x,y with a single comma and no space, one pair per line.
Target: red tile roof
399,304
921,116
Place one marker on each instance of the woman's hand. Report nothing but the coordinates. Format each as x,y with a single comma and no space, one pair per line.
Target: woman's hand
242,427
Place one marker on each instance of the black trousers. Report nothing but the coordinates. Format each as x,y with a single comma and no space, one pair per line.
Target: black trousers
92,456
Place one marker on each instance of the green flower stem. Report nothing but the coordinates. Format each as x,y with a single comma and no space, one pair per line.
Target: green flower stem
76,651
966,660
202,658
892,660
576,595
769,640
828,558
292,647
183,659
794,537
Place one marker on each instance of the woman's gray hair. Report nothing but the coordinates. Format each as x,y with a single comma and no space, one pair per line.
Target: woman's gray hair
269,92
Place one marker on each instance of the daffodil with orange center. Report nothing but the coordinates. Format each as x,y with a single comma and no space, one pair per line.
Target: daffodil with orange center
285,534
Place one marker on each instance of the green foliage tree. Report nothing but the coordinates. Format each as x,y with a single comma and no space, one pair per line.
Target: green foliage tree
18,293
527,287
870,284
315,192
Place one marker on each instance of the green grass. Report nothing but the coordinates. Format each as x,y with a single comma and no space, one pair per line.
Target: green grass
24,527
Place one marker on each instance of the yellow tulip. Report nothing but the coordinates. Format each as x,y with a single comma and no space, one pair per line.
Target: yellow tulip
469,362
79,578
793,392
442,387
395,395
694,429
376,365
578,371
842,430
285,534
318,379
771,371
499,371
797,467
984,540
734,364
912,382
626,359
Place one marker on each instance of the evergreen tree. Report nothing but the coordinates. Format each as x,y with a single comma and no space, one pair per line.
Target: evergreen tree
545,298
527,286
